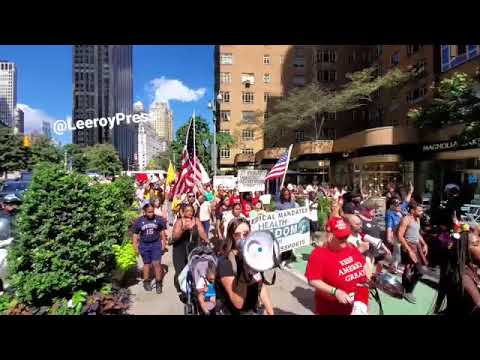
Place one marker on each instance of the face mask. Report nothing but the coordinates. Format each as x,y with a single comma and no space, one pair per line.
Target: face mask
240,244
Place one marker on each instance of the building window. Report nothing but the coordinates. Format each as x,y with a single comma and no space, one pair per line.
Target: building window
225,96
226,59
267,60
247,97
247,134
225,78
225,131
330,116
327,56
247,79
412,49
421,68
225,115
457,50
300,135
248,116
225,153
327,75
266,96
395,59
247,151
282,132
267,78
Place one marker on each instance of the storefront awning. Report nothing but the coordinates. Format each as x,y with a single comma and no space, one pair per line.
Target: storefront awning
458,155
376,159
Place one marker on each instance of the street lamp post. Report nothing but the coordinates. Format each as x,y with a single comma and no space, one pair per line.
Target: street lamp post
212,105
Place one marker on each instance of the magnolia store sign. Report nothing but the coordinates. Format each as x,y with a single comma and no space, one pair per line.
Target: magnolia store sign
450,145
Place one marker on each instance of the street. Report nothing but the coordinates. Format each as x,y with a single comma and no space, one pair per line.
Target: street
290,296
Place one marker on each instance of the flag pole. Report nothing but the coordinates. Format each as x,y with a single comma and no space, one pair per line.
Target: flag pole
288,163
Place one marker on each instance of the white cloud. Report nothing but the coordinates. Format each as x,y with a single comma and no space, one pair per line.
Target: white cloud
33,119
164,90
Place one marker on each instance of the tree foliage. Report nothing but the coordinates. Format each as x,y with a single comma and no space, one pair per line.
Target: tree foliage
66,229
43,150
457,100
203,142
103,159
13,155
308,104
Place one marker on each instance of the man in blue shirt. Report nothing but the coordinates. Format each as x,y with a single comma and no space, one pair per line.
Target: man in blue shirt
148,239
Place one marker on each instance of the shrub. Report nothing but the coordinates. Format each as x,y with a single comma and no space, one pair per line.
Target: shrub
65,233
125,256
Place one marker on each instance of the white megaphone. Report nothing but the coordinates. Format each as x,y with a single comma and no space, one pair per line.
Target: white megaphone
261,251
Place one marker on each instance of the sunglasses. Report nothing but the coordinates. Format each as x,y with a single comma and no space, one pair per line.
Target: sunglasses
191,196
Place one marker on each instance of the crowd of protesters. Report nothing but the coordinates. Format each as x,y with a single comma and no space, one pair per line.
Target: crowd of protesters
340,267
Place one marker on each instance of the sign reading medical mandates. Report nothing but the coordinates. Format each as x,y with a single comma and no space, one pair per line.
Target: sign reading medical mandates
229,182
251,180
291,227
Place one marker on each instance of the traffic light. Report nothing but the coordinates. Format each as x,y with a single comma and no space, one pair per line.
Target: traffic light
26,141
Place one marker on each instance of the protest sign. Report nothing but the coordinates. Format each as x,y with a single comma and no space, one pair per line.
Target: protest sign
229,182
291,227
251,180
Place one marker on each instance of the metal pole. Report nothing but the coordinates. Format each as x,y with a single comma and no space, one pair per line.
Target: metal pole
214,144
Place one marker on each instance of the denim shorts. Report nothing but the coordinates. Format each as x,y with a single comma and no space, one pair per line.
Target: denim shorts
151,251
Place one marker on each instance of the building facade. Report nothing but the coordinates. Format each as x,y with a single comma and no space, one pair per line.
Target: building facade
249,78
149,143
102,87
8,92
19,123
161,118
47,129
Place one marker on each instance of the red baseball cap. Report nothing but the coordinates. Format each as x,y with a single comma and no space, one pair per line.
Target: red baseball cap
338,228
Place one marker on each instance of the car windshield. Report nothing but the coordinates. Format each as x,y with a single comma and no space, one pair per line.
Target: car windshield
14,186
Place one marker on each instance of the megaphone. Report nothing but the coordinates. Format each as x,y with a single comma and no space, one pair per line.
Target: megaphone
261,251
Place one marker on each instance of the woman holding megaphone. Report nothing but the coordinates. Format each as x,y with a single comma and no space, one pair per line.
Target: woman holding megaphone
239,287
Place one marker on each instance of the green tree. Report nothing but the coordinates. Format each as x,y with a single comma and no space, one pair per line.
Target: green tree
203,141
457,100
43,150
103,159
13,155
309,104
77,156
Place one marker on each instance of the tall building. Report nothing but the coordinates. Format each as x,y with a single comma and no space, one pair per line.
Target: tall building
161,118
248,78
149,143
19,122
103,86
8,92
47,129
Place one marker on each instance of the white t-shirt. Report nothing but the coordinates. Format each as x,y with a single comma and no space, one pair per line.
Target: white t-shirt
205,211
312,209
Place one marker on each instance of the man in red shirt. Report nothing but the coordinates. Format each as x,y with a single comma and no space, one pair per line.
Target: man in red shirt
337,273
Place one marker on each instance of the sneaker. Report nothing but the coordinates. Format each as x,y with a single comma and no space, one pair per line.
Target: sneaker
158,287
410,298
147,286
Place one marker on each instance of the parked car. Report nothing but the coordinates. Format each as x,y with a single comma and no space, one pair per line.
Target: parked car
14,187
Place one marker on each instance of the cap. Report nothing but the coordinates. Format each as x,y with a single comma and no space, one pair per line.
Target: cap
338,228
309,188
290,187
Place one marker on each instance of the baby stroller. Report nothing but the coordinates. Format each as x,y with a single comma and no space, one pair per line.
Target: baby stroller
196,269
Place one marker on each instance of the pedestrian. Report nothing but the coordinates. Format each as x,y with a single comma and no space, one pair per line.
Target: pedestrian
312,205
337,272
414,248
285,202
149,240
239,287
190,200
459,280
392,192
246,203
204,213
208,193
188,233
228,216
352,203
393,217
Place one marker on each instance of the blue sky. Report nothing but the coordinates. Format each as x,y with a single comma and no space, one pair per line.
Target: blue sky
180,74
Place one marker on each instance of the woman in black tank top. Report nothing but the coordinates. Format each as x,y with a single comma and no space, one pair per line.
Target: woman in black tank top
188,231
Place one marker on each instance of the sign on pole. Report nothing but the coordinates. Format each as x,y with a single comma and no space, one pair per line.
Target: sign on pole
251,180
291,227
228,181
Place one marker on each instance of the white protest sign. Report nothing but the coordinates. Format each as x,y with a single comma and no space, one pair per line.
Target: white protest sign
228,182
251,180
291,227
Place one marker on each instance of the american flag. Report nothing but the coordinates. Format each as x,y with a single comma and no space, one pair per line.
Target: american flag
280,168
192,172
